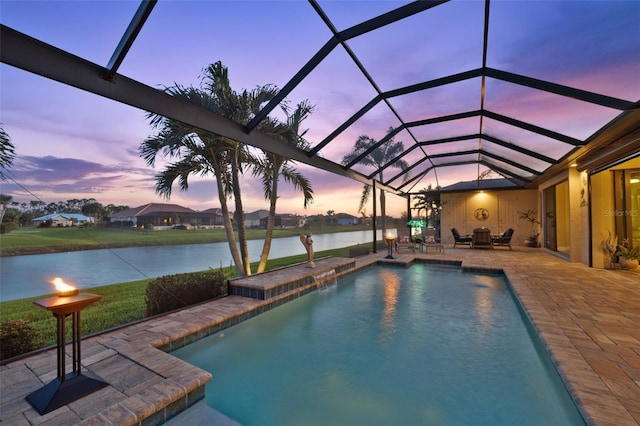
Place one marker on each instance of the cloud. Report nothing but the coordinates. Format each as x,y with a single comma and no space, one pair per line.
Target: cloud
43,177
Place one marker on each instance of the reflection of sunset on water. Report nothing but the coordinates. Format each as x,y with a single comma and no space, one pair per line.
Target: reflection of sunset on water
391,290
483,300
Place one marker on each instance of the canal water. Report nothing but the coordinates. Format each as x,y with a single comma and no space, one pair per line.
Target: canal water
30,276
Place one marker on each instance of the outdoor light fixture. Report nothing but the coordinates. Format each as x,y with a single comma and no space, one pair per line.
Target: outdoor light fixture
66,388
63,289
389,239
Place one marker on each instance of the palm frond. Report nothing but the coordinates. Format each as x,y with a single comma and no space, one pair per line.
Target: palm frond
299,181
179,170
366,192
7,151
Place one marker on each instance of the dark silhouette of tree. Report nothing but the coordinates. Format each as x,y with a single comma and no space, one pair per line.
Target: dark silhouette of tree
7,152
377,158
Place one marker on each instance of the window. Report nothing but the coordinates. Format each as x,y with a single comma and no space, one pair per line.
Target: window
627,204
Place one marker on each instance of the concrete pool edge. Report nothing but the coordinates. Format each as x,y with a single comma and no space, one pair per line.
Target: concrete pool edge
549,336
161,382
576,374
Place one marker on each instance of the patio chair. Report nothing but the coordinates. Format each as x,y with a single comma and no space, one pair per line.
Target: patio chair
404,241
458,239
504,239
481,238
430,239
429,235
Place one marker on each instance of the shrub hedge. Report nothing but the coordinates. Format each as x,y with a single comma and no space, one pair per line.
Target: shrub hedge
18,337
172,292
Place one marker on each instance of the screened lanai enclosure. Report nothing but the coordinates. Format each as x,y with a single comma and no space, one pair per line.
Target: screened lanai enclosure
521,88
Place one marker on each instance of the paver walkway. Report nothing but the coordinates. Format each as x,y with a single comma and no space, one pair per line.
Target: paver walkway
587,318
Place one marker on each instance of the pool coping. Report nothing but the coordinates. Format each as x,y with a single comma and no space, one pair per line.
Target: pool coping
149,386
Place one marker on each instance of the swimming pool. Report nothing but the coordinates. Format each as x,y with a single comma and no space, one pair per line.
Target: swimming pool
387,345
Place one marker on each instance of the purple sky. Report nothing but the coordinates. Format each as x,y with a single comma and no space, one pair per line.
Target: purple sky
71,144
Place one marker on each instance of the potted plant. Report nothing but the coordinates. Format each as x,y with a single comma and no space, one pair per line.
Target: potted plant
611,245
628,257
532,217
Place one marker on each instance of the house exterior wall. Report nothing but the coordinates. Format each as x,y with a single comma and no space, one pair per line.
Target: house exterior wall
572,214
61,221
563,219
132,219
464,211
252,223
602,218
347,221
578,216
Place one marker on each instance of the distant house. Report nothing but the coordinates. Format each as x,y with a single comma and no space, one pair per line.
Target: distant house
254,219
346,219
167,216
285,220
64,219
210,218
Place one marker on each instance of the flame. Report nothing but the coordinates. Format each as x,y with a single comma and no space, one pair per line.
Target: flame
64,289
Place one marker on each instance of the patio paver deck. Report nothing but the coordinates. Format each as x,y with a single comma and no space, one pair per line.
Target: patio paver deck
587,318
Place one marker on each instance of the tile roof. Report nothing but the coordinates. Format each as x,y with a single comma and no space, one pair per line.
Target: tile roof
153,208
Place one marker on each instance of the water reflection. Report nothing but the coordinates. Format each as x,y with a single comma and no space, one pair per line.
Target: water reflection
483,305
392,283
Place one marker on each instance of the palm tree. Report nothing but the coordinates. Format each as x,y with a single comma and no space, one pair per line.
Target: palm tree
202,153
197,152
7,151
428,201
377,158
272,166
241,108
5,200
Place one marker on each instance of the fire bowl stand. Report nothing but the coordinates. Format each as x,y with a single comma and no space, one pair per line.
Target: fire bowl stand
389,241
66,388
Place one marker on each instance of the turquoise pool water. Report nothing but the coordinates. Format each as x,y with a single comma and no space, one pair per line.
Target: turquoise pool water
424,345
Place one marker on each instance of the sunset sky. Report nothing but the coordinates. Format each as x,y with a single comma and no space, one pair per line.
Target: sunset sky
72,144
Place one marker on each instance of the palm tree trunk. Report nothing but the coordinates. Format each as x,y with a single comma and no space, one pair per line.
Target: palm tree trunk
5,200
239,215
383,213
228,226
271,222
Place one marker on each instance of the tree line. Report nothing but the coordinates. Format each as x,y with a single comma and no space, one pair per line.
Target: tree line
14,213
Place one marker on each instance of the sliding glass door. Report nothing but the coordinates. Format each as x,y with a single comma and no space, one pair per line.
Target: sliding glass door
627,205
557,229
550,240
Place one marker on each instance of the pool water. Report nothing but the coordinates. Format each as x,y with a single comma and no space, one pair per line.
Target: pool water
424,345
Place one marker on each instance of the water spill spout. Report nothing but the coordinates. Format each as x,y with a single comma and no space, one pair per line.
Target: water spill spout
326,279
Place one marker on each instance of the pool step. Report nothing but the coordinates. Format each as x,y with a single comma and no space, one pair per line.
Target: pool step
274,283
200,414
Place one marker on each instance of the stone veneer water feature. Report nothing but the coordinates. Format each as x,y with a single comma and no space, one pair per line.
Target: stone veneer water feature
274,283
